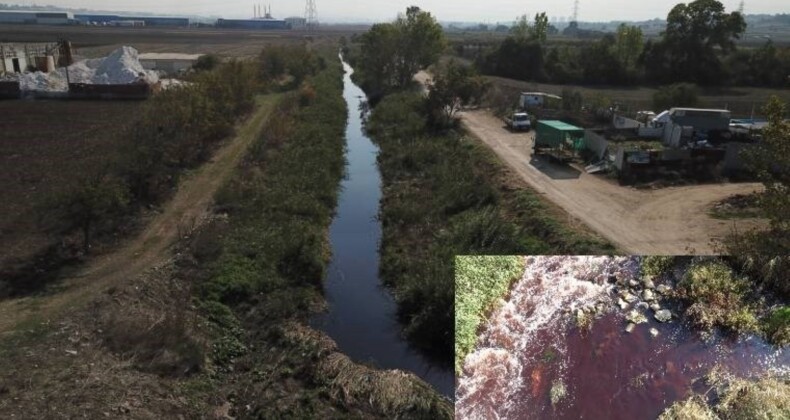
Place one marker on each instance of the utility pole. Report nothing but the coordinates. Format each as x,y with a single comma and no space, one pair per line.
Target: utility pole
311,15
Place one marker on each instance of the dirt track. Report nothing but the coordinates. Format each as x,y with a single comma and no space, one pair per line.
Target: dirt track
188,208
672,220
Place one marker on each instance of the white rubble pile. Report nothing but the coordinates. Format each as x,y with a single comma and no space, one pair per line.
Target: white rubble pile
121,67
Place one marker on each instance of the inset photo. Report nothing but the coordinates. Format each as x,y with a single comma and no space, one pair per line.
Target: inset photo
621,337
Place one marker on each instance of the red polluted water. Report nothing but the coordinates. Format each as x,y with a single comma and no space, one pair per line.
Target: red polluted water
531,350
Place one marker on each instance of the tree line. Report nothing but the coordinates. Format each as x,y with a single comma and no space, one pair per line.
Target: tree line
697,46
175,130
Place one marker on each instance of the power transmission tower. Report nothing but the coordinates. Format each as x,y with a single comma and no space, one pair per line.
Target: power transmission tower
311,15
576,11
740,8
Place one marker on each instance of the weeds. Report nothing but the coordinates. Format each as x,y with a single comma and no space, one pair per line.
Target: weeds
480,281
717,297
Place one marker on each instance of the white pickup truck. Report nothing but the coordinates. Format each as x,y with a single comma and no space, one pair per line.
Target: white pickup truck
518,121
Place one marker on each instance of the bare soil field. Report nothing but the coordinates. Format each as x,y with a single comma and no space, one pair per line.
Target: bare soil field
99,41
668,221
740,100
182,214
45,147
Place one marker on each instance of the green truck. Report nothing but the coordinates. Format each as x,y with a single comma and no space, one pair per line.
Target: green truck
558,139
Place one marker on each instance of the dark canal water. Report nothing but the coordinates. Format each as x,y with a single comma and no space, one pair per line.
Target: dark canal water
530,344
362,314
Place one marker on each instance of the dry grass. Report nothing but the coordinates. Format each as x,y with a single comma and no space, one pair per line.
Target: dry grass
392,393
766,398
693,408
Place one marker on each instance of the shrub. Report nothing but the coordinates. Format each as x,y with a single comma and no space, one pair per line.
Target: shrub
676,95
717,297
206,62
656,265
777,326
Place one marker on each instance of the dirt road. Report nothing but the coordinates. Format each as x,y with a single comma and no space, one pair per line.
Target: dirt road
187,209
666,221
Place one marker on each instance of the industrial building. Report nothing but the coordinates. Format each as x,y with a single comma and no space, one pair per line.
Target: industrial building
168,62
115,20
36,18
18,58
253,24
296,22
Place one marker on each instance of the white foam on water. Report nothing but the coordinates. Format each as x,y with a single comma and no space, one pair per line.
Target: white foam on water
539,304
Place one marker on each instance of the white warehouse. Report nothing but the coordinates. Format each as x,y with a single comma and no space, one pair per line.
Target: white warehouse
36,18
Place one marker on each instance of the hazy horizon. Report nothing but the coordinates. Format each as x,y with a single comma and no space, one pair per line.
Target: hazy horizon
491,11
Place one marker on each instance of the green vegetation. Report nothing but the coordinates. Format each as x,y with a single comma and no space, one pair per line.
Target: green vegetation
391,53
698,46
777,326
655,265
95,198
480,281
287,206
447,195
454,86
763,254
717,297
676,95
735,398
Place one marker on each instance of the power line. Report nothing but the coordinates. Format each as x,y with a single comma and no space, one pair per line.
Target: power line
311,15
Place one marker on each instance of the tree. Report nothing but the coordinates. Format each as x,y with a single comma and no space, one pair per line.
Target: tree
453,87
629,44
765,254
541,28
421,42
392,53
676,95
92,200
694,31
770,160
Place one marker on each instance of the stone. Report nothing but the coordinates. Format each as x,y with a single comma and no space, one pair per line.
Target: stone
648,295
642,305
655,307
648,283
654,332
663,289
623,304
628,297
663,315
633,283
630,327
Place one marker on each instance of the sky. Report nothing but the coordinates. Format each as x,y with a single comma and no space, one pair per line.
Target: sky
487,11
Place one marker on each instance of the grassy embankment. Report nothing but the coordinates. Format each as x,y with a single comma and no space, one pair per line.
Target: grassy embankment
717,293
444,194
730,397
263,270
480,281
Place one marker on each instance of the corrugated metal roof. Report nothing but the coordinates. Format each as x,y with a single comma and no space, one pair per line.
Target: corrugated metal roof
560,125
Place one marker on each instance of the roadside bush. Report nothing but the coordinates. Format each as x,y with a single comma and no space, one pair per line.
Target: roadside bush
676,95
777,326
206,62
654,265
279,61
717,297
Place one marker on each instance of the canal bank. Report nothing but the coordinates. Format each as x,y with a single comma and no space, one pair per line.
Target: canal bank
361,317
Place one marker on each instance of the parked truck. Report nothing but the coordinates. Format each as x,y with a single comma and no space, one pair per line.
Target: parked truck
518,121
558,139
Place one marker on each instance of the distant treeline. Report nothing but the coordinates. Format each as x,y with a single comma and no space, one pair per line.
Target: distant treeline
698,46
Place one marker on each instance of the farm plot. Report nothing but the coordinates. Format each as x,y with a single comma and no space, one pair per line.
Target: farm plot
45,147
